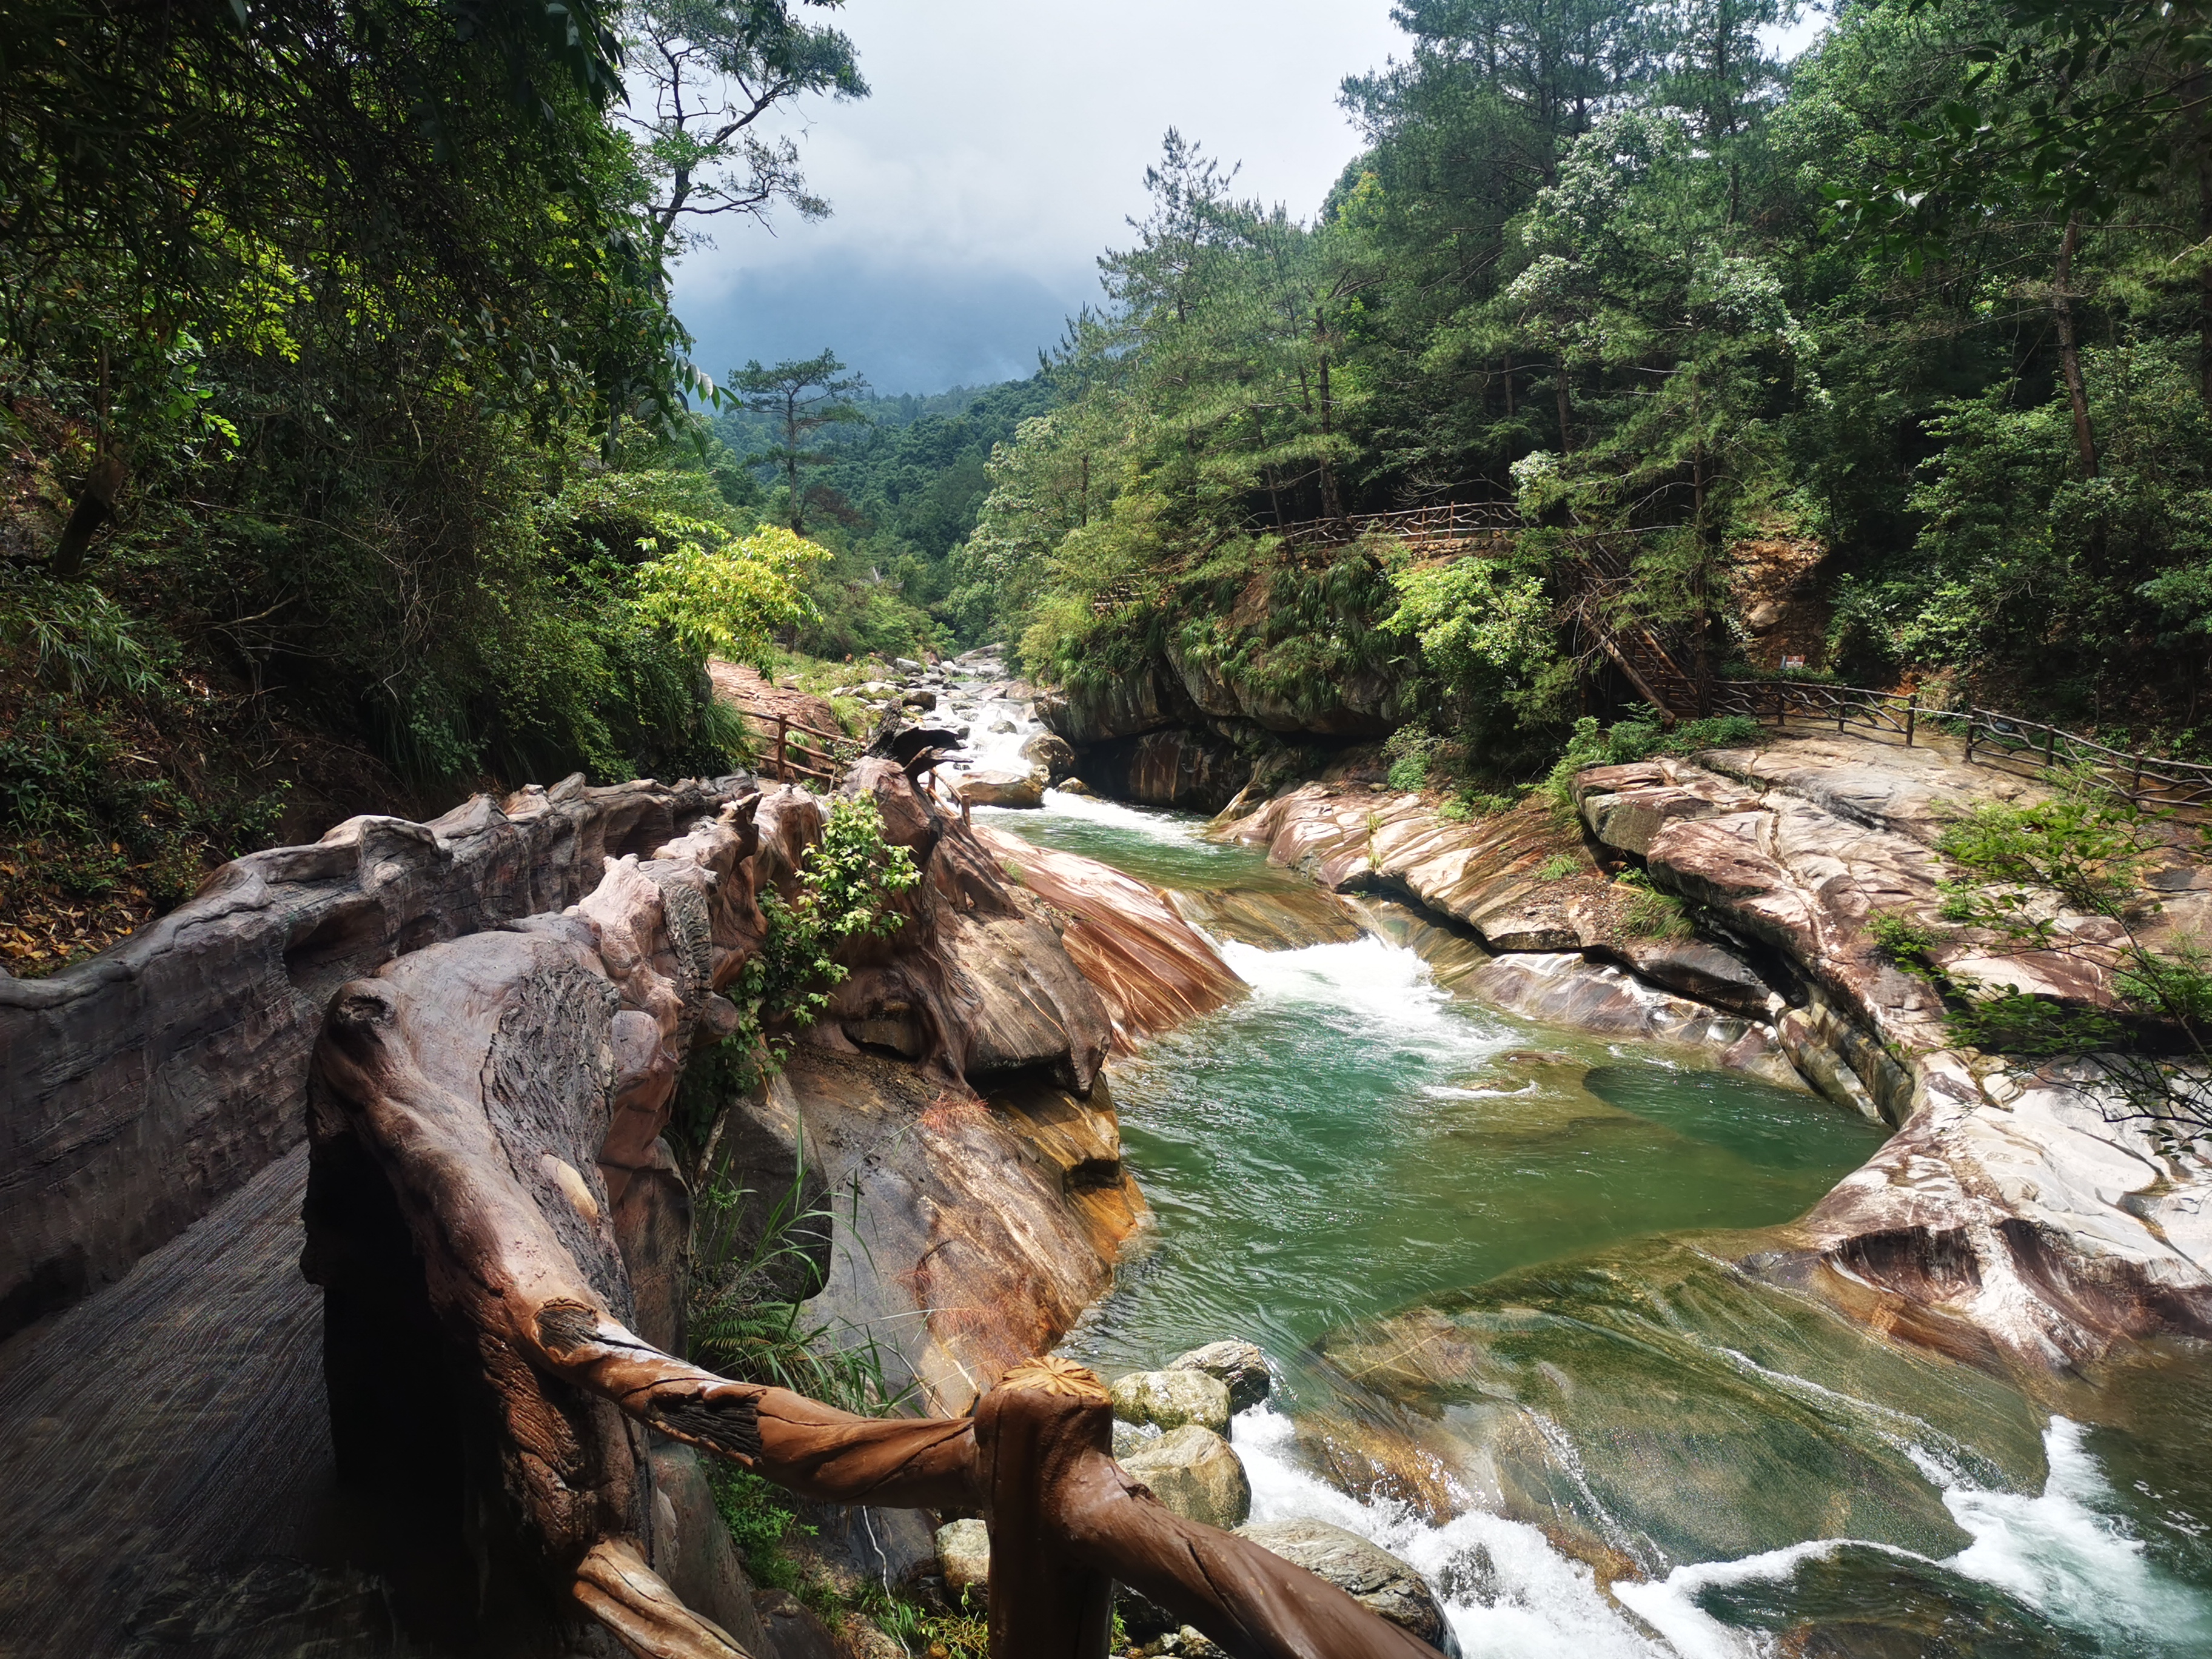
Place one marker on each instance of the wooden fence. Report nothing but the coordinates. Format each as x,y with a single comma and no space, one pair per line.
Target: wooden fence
785,765
2005,742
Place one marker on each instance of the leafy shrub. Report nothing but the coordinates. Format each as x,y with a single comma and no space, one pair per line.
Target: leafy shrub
1628,741
1411,749
847,883
1900,939
1559,867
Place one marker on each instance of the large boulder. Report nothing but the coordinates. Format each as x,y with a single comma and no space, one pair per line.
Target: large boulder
1001,789
963,1556
1049,753
1170,1399
1240,1367
1194,1471
1372,1576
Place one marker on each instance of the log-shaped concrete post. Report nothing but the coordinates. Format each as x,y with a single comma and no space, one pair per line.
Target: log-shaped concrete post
1032,1433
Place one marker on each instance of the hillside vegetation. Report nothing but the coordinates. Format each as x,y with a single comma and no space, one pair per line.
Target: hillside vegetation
1910,340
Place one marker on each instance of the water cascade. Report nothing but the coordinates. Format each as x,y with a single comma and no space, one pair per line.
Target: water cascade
1495,1266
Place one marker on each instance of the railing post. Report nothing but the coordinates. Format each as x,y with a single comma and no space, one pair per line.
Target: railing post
1911,719
2049,746
1028,1441
782,754
1970,731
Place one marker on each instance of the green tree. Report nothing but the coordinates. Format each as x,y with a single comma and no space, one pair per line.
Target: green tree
715,68
801,398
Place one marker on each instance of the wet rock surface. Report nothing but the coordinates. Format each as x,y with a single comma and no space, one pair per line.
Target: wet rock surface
1172,1399
1239,1367
1195,1473
1368,1573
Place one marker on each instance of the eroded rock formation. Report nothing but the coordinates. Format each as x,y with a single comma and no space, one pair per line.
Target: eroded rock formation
144,1085
1498,920
2007,1212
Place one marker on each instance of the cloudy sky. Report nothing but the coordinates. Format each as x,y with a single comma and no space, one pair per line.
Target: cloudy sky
1005,144
1003,149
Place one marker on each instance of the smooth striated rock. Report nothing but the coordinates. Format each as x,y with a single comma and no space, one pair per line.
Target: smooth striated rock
1023,790
1171,1399
963,1556
2007,1214
1153,969
1371,1574
1195,1473
1238,1366
1498,875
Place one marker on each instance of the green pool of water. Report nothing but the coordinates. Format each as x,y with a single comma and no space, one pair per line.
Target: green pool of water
1503,1273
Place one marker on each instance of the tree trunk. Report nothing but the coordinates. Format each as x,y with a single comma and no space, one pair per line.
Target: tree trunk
1560,390
1508,385
1701,603
2199,90
2069,351
94,503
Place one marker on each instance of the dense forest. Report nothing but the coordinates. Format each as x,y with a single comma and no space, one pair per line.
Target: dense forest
1907,343
354,456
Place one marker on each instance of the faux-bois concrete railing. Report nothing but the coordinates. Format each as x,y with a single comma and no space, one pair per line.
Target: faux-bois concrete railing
478,1114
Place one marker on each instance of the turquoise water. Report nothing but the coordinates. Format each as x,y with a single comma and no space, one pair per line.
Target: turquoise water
1503,1273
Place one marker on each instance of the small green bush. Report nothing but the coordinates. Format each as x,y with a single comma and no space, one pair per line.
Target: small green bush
1559,867
1900,939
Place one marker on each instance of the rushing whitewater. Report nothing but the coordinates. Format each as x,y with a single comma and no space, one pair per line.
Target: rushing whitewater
1350,1163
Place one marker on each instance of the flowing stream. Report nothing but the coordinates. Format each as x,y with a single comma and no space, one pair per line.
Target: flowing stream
1496,1268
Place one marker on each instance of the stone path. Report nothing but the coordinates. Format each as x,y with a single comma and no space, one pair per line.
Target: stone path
167,1455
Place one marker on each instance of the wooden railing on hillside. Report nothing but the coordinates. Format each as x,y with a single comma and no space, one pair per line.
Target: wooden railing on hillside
2005,742
824,768
1440,528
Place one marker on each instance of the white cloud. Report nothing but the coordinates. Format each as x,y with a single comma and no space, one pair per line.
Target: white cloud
1003,147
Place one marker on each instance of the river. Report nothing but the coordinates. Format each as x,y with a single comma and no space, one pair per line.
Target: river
1499,1271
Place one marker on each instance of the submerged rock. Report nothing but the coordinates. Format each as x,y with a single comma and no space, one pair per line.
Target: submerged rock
1171,1399
1238,1366
1195,1473
1369,1574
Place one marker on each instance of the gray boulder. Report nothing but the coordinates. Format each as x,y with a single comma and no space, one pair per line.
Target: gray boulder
1372,1576
963,1556
1001,789
1050,753
1171,1399
1195,1473
1240,1367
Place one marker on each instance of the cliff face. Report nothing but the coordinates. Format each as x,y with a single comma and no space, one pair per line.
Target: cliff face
1182,732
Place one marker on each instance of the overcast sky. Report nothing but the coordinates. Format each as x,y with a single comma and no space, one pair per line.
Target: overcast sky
1003,147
